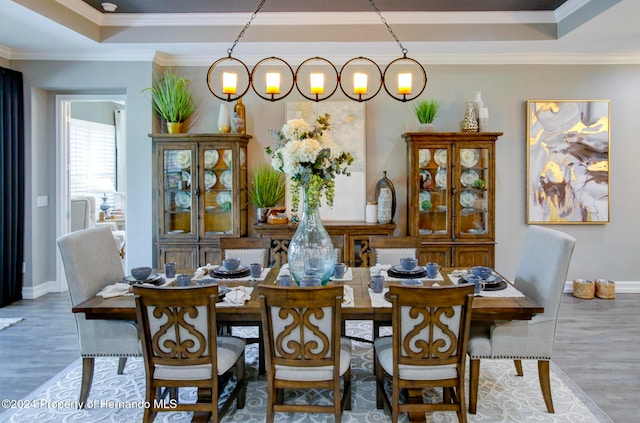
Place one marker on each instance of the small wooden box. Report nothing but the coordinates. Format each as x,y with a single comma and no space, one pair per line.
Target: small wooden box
605,289
583,289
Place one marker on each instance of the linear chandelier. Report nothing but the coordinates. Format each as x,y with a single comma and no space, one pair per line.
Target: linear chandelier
316,78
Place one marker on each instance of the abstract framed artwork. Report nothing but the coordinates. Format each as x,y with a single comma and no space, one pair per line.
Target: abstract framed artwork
348,131
568,161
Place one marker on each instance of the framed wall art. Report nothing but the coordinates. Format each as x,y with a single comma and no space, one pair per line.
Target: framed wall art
348,131
568,161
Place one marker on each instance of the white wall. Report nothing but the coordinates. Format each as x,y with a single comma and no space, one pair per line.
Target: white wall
601,250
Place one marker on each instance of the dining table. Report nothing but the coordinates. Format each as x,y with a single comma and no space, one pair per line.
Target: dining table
362,305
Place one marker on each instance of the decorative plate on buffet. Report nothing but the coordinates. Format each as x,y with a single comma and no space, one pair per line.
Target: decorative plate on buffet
424,157
227,157
209,179
227,179
183,159
441,157
467,198
183,200
468,178
469,157
211,158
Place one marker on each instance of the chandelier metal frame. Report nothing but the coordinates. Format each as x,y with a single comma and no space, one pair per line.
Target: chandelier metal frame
248,78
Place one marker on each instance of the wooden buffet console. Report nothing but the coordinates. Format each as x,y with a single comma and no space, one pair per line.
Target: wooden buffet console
351,236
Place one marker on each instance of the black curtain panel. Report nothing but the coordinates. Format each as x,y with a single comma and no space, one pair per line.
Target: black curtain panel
11,185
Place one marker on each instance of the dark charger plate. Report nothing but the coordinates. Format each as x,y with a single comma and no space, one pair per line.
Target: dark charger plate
154,279
492,283
401,273
241,272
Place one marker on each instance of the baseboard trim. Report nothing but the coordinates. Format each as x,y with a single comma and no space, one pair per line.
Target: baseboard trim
622,287
30,293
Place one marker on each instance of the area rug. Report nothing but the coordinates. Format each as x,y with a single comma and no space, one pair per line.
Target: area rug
503,397
6,322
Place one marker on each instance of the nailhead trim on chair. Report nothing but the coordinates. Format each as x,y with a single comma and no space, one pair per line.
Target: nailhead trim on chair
507,357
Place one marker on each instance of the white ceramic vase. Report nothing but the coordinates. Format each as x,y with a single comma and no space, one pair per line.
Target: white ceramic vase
224,120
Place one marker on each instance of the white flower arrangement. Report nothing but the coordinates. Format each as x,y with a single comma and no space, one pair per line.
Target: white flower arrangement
311,160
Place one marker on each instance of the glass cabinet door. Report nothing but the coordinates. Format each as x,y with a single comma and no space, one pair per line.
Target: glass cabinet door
177,191
433,198
472,194
218,181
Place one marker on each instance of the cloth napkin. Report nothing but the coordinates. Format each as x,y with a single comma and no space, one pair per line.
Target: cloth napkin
236,296
509,291
377,299
115,290
347,296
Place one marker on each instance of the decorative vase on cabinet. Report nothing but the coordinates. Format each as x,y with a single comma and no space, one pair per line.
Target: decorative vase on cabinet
451,189
199,191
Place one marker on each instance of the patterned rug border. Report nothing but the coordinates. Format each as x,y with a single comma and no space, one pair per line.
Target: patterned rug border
41,392
6,322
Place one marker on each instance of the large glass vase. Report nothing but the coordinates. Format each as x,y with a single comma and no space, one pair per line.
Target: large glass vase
311,252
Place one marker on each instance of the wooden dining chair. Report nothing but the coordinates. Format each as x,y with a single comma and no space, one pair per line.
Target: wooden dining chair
181,348
247,249
390,249
541,276
427,348
304,349
92,261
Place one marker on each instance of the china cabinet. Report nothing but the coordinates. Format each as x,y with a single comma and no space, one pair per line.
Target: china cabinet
451,196
199,196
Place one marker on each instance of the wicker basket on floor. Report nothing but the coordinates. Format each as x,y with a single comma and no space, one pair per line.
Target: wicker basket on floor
583,289
605,289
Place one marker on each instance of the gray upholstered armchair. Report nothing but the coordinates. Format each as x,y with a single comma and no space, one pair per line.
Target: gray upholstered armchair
91,262
83,216
541,275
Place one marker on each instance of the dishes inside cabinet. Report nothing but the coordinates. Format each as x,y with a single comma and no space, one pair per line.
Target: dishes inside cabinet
469,157
211,158
209,179
183,200
425,180
468,178
424,157
227,178
186,178
425,201
467,198
227,157
183,159
441,178
224,200
441,157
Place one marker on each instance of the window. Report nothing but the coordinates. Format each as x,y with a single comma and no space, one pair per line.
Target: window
92,158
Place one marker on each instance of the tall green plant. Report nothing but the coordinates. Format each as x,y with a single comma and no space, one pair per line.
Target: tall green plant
171,97
427,111
267,187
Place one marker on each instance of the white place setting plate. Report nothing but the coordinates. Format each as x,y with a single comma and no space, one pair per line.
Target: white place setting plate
186,177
